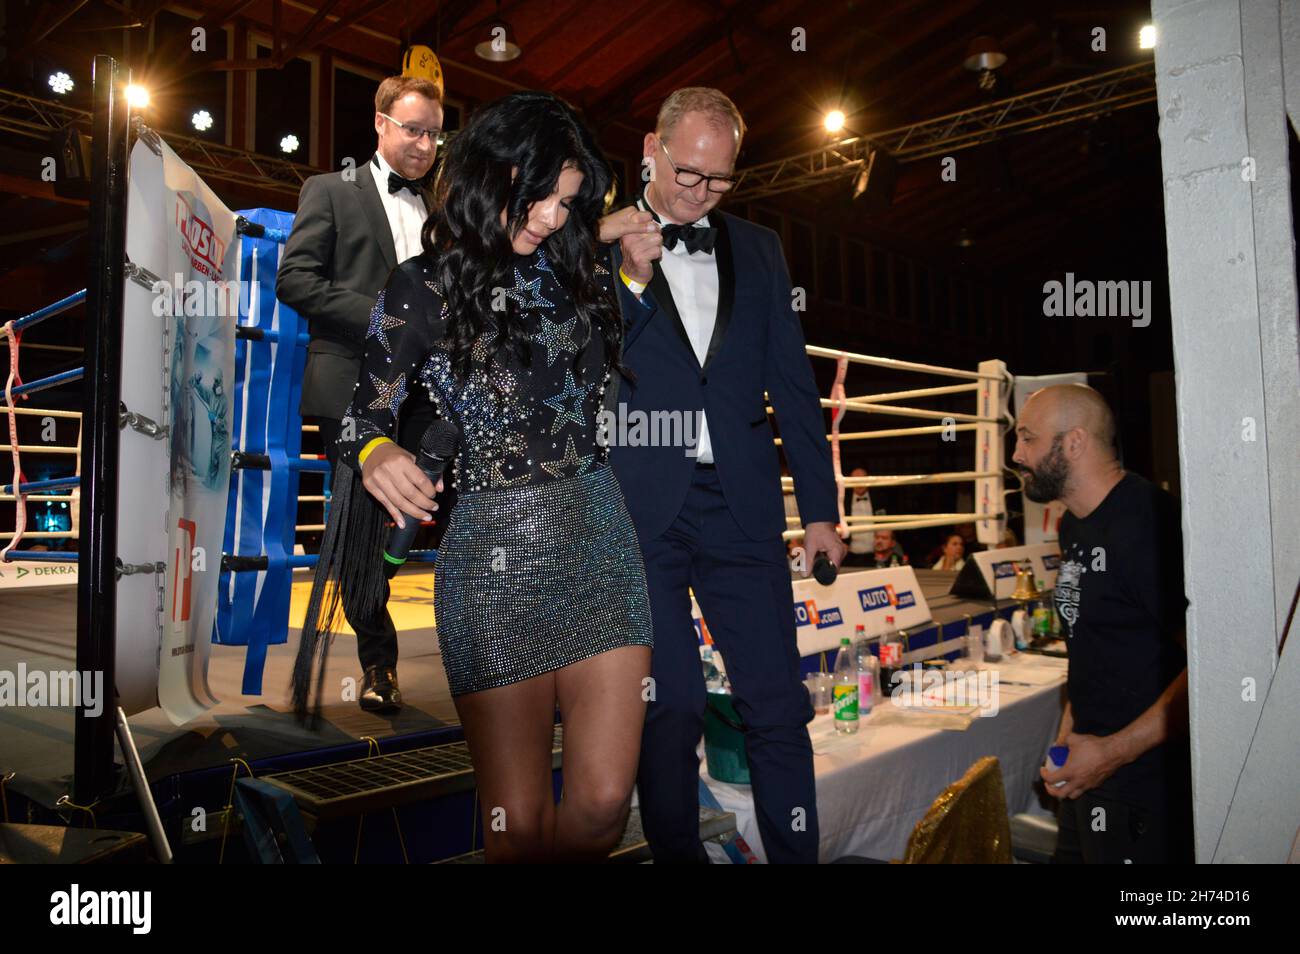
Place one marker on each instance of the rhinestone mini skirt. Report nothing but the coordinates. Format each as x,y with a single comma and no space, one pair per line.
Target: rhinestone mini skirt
531,579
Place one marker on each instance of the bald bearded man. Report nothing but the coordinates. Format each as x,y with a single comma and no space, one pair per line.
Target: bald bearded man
1125,789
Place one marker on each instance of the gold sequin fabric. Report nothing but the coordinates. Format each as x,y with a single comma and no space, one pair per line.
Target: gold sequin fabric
967,824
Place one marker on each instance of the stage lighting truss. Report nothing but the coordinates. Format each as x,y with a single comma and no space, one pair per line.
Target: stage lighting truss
1053,106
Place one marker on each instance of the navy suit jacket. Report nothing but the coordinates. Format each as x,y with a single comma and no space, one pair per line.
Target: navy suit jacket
757,346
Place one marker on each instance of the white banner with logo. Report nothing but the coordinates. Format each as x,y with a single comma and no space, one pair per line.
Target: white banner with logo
178,362
824,614
21,574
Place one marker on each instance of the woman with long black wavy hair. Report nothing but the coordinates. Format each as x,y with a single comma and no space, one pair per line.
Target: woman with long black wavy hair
508,319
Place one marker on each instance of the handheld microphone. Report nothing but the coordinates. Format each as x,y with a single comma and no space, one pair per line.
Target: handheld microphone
436,448
823,569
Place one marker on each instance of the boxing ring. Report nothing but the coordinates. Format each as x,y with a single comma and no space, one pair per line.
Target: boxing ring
990,383
824,613
211,405
189,434
39,491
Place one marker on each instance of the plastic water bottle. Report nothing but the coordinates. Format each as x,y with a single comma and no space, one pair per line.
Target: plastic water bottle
844,690
891,656
868,671
1057,756
712,678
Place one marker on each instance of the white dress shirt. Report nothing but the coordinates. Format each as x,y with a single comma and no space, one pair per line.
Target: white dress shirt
693,280
405,211
861,541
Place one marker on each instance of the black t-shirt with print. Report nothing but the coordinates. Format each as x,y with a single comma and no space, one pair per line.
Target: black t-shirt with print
1119,592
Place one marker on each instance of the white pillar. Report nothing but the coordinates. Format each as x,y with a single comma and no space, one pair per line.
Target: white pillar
1220,70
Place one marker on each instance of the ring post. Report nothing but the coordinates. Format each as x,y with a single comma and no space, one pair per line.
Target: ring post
96,579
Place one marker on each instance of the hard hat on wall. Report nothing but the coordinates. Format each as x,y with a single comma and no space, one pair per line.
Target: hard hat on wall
423,62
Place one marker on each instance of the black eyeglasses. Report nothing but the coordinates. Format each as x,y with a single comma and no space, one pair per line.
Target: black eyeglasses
689,178
414,133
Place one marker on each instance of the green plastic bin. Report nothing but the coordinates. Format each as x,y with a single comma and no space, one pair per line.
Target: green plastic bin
724,740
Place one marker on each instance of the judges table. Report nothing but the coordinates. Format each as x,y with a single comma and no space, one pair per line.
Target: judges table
874,786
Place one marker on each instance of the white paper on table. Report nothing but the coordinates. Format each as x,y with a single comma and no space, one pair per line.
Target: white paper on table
1033,675
951,718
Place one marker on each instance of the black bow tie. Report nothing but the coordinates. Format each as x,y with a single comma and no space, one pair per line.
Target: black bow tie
696,239
396,183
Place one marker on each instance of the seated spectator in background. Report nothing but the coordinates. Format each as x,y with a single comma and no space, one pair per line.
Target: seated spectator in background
1008,539
970,543
887,552
968,538
954,552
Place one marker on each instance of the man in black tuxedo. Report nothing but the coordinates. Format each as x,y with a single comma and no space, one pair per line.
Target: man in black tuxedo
709,327
353,228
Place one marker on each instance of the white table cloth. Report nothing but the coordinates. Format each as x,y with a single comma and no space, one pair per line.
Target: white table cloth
874,786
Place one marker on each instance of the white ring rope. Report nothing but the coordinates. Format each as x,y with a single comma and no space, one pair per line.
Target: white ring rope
953,421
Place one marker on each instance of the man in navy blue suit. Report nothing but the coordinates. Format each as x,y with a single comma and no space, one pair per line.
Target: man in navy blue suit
710,327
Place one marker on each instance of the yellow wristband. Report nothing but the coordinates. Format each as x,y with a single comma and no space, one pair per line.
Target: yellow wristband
634,287
371,445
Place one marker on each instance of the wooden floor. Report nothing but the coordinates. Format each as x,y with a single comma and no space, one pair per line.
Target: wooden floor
38,628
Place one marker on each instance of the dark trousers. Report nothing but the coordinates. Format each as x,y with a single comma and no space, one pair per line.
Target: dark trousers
745,595
376,635
1097,829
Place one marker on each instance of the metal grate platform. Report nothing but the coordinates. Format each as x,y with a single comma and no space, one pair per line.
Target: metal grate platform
383,781
633,848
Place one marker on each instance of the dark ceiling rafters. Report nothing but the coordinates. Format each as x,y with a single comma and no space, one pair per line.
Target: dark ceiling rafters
892,63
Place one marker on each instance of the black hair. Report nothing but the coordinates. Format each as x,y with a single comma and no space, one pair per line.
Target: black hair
538,134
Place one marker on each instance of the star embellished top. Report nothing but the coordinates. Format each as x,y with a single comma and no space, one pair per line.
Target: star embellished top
523,424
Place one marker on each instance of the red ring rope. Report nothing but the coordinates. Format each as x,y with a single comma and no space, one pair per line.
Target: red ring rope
20,499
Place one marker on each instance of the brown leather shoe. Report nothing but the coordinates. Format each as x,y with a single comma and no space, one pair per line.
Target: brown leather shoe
379,692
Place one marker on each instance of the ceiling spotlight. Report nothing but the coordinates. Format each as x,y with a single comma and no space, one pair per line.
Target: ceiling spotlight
202,120
834,121
137,97
61,82
1147,37
964,240
500,48
289,143
983,56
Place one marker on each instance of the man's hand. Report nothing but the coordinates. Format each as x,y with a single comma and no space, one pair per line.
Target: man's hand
393,478
823,537
639,238
1092,760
